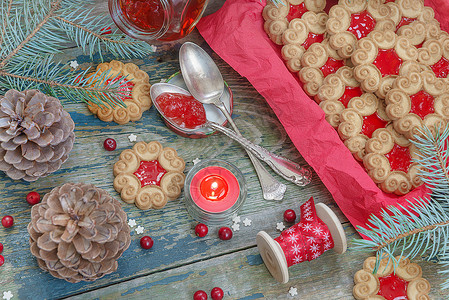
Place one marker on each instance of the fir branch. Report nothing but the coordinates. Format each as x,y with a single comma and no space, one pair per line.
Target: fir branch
6,16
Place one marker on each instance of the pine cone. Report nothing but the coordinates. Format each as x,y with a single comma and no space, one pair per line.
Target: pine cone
36,134
78,232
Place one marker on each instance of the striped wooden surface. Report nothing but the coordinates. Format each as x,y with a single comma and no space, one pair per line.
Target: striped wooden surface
179,262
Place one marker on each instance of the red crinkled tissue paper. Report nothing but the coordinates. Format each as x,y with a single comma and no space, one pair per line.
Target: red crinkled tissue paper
236,34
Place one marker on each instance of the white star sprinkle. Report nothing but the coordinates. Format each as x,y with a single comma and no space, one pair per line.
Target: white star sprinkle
235,227
236,219
74,64
132,222
7,295
247,222
139,229
280,226
293,291
196,160
132,137
153,48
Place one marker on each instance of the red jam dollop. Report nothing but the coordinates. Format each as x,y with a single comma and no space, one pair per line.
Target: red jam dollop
392,287
150,173
441,68
388,62
422,104
350,92
331,66
181,109
399,158
296,11
214,188
147,15
371,123
361,24
312,39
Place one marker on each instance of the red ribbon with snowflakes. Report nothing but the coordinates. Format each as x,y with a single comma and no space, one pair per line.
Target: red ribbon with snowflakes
307,239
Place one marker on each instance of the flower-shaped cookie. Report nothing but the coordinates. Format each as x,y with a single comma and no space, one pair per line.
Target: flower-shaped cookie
301,34
419,32
278,16
319,61
149,175
403,282
389,161
380,58
140,93
435,54
418,99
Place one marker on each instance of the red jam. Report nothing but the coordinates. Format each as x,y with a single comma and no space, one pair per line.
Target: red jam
422,104
296,11
147,15
127,87
150,173
388,62
361,24
399,158
214,188
350,92
331,66
181,109
392,287
312,39
371,123
441,68
405,21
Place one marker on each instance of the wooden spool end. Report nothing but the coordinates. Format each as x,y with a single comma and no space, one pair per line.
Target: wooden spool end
272,256
333,223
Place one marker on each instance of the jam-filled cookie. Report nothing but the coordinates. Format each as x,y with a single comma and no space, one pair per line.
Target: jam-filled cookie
434,53
138,85
389,161
401,282
277,16
418,99
149,175
301,34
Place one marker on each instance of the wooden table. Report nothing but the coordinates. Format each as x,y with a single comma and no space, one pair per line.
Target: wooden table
180,263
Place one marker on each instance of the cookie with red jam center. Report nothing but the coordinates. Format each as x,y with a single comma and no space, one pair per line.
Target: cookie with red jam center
391,283
277,16
434,53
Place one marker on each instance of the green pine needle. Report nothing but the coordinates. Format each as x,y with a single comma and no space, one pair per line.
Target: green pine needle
423,227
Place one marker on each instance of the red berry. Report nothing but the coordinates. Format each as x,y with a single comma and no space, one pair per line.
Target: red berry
200,295
225,233
146,242
109,144
216,293
7,221
33,198
2,260
289,216
1,247
201,230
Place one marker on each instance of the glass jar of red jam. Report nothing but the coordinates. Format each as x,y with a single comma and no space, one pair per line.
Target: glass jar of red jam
163,20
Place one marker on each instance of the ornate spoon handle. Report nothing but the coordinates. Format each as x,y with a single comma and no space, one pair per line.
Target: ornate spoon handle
287,169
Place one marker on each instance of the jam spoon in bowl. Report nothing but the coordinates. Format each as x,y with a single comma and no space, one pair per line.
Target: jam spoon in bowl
205,82
289,170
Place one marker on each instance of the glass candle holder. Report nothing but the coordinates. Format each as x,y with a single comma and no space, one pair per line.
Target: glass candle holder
163,20
214,191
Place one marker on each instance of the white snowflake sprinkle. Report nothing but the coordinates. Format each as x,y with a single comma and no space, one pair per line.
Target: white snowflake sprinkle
236,219
132,137
196,160
132,223
139,229
280,226
247,222
293,291
74,64
235,227
7,295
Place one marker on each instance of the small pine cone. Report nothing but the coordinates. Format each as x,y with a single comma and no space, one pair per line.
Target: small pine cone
78,232
36,134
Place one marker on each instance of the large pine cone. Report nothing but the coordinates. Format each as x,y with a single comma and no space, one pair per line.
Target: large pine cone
78,232
36,134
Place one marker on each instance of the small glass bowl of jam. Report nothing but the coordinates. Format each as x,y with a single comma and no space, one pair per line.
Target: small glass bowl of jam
212,113
163,20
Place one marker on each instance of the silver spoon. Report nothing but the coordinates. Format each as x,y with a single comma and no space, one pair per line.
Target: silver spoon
287,169
205,83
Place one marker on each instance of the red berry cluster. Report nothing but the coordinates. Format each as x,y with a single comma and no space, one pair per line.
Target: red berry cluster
216,294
